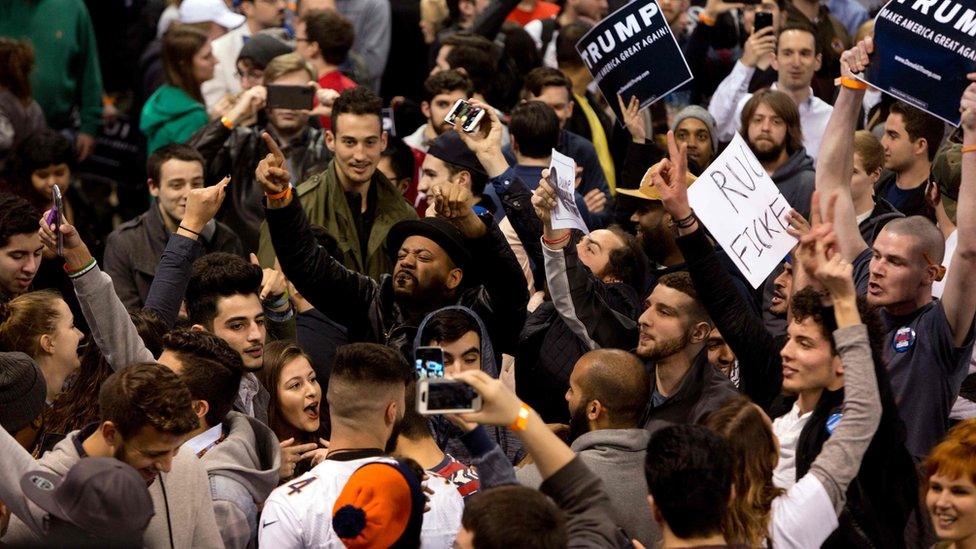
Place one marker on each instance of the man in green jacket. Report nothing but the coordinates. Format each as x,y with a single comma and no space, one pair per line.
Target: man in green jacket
66,74
353,200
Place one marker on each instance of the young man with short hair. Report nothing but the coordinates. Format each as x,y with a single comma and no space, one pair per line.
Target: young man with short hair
240,453
353,201
798,57
20,246
133,250
441,91
607,396
366,403
680,457
598,178
146,415
872,210
324,38
911,139
929,341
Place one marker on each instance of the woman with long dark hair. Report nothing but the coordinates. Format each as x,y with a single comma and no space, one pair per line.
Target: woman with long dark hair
176,110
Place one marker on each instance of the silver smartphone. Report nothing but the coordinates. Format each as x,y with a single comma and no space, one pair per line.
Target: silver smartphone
446,396
470,116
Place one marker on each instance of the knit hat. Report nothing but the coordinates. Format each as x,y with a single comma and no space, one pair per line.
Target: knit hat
449,148
698,113
382,505
22,391
444,233
261,48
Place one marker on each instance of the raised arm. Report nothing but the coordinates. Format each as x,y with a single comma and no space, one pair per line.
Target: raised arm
337,292
958,298
835,161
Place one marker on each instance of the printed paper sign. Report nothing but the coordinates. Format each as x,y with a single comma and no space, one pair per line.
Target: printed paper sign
633,52
562,179
923,50
744,210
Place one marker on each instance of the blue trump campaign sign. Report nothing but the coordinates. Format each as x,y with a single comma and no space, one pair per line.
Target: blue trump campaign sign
632,52
923,50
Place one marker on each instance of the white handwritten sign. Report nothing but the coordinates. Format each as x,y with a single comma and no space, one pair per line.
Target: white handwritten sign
562,179
744,210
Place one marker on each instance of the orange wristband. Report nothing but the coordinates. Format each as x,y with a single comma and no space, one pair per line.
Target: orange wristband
522,421
280,196
968,149
850,83
706,20
227,122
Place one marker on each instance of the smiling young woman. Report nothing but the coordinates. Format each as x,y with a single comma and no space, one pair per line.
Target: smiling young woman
950,487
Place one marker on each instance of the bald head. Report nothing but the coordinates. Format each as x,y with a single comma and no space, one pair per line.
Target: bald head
619,381
927,237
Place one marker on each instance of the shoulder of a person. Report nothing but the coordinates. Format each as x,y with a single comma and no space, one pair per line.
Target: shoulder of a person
128,226
312,183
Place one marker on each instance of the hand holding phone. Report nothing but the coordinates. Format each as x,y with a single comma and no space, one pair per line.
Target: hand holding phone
56,213
469,116
762,20
290,97
446,396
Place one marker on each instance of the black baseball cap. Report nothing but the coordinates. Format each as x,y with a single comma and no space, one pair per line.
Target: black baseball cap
449,148
440,230
100,496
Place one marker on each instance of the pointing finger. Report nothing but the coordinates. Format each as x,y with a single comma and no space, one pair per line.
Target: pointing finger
273,147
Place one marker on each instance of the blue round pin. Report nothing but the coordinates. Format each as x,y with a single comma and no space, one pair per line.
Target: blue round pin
903,340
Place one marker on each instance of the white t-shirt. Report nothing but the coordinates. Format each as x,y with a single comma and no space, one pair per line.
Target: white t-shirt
299,514
803,517
787,429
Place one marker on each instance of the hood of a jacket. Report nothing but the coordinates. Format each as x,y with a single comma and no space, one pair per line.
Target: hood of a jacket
488,364
167,104
798,162
612,441
249,455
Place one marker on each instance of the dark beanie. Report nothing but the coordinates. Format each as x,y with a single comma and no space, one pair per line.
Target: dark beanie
449,148
22,391
260,49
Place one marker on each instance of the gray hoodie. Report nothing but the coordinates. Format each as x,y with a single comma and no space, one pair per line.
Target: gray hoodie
184,513
446,434
243,470
616,456
795,180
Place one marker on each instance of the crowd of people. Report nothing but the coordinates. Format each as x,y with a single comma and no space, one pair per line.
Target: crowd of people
227,356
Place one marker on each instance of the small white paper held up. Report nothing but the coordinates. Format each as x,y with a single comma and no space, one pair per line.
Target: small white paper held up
562,178
744,210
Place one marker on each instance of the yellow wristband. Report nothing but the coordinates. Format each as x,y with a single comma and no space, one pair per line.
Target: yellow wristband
227,122
706,20
522,421
850,83
969,149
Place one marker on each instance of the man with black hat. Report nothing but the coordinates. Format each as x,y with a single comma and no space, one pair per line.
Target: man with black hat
456,258
23,394
99,502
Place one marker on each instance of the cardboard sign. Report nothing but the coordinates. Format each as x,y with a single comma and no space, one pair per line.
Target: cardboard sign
744,210
632,52
923,50
562,179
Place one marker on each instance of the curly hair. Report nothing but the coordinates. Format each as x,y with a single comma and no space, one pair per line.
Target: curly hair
147,394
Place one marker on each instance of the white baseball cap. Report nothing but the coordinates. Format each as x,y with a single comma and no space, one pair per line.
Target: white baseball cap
200,11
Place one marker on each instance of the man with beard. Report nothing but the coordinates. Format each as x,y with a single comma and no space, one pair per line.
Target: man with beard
366,404
353,200
456,258
146,415
929,341
771,126
797,59
441,91
230,146
608,392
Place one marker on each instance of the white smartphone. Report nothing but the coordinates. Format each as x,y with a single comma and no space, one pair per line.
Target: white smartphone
446,396
470,116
